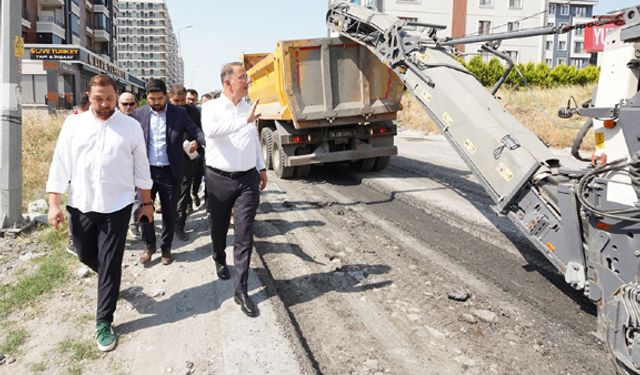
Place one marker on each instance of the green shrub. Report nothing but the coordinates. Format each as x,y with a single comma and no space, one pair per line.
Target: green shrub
536,75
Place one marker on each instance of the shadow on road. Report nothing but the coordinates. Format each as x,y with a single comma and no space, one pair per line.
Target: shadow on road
347,279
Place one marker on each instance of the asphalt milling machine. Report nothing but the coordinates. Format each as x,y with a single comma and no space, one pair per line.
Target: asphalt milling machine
585,221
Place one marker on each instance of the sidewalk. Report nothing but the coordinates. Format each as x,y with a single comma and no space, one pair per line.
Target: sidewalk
181,319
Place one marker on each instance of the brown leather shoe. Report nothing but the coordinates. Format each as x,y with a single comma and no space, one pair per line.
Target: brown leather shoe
146,256
166,258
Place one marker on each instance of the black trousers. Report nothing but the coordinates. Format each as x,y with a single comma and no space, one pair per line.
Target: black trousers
243,195
166,186
99,240
184,200
197,178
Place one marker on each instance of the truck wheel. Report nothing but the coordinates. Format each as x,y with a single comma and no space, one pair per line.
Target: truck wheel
381,163
266,143
278,157
363,165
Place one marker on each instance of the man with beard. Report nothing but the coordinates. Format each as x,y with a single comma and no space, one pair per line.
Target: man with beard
164,125
192,97
235,175
100,156
177,96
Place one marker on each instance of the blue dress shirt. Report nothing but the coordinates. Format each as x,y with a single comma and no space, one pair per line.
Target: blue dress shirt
157,147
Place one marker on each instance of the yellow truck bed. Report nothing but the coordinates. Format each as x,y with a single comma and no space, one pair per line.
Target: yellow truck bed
322,82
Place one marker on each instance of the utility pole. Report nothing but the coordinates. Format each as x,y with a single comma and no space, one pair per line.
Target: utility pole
11,53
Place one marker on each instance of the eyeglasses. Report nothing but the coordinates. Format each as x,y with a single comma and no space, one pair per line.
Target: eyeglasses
128,104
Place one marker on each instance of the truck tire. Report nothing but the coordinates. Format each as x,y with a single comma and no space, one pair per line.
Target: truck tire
381,163
303,171
363,165
278,157
266,144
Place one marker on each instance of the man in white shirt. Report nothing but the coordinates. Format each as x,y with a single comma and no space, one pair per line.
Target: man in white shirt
101,158
235,175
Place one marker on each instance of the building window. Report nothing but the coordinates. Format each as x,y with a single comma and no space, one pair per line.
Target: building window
561,61
562,45
578,63
581,11
550,24
486,3
552,9
578,32
579,47
549,62
513,26
513,55
549,45
564,10
515,3
484,27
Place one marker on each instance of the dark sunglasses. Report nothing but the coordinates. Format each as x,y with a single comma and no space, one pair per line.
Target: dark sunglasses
128,104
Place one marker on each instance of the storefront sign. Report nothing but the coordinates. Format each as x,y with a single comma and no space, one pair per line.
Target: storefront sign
105,66
38,53
595,36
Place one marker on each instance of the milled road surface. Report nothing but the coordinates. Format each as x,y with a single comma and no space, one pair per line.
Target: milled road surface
352,274
364,264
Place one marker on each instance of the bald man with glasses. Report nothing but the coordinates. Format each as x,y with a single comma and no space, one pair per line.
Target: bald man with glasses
127,103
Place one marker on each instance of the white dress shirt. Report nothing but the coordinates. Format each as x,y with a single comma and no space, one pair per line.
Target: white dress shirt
100,161
232,143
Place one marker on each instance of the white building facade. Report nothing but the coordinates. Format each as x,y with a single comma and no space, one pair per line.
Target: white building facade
147,45
473,17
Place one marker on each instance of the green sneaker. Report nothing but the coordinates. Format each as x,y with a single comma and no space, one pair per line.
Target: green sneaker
105,338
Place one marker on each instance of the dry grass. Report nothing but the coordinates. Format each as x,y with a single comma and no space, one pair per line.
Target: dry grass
535,108
39,136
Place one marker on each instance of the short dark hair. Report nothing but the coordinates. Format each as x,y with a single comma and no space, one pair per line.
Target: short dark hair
84,100
156,85
102,80
206,96
227,70
177,90
192,91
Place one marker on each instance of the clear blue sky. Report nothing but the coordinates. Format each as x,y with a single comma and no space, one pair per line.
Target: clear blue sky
223,30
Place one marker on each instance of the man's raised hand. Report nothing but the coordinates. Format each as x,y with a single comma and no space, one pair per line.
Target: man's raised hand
253,116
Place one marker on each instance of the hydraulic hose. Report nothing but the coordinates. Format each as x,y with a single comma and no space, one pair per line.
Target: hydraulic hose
577,142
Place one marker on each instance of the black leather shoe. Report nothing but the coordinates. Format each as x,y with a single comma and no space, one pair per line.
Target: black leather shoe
246,304
223,271
182,236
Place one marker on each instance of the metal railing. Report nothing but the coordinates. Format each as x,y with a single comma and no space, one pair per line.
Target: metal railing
51,19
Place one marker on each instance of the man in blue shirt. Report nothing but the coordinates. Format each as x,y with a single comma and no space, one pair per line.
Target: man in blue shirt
164,126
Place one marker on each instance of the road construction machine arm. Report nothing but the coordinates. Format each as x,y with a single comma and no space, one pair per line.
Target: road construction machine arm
576,218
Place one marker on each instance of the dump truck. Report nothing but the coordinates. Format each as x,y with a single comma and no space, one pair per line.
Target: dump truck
323,100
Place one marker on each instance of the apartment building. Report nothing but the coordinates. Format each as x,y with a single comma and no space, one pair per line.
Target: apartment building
147,45
473,17
568,49
66,43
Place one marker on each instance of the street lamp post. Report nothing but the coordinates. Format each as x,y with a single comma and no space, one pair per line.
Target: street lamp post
179,41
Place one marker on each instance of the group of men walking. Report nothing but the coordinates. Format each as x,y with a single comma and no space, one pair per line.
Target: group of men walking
104,155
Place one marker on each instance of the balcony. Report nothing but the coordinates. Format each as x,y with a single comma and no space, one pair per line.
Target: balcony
50,24
51,3
100,34
26,18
